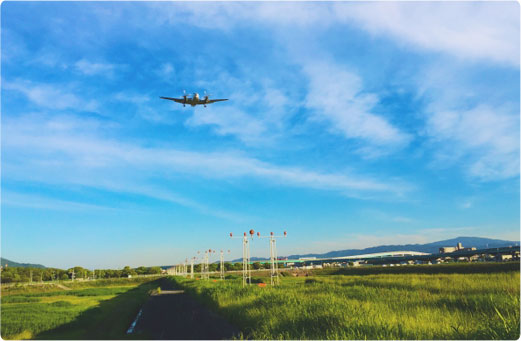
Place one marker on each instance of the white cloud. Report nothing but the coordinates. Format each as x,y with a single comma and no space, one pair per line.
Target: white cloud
50,96
91,68
466,204
257,113
167,73
483,30
42,150
469,30
143,108
47,203
229,120
485,138
336,95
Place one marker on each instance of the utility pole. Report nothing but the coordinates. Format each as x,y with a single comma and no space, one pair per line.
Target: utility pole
273,256
31,276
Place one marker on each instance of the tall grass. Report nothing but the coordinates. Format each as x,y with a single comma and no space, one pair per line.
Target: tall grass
386,306
83,313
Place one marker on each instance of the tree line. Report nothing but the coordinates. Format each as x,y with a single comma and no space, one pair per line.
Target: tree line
27,275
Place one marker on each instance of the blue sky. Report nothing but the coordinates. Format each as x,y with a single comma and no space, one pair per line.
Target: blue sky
349,125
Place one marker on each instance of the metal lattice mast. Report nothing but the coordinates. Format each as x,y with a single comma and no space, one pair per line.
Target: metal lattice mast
207,264
246,272
221,265
203,265
274,273
245,260
212,251
274,264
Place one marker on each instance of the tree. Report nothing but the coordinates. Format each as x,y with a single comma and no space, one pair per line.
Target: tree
142,270
127,271
154,270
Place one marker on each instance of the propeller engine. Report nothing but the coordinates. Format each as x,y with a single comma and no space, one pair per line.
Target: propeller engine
184,97
206,98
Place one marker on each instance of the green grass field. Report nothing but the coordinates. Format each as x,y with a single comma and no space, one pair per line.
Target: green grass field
89,310
409,305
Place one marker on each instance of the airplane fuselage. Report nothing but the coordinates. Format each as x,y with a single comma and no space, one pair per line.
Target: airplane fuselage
195,100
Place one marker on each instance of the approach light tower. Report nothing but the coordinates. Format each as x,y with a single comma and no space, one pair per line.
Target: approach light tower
205,266
222,264
192,267
273,256
246,268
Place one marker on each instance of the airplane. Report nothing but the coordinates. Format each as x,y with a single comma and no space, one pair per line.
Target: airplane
194,100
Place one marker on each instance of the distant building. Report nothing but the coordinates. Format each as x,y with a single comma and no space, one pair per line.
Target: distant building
503,258
447,249
384,255
458,247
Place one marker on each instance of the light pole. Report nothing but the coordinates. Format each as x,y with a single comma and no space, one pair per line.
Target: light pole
222,264
246,269
273,256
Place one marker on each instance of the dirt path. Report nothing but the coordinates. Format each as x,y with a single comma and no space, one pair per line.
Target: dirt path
61,286
174,315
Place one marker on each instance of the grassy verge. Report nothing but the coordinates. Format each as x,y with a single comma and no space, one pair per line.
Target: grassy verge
85,312
372,306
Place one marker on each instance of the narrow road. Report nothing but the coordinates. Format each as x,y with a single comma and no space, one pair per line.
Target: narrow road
174,315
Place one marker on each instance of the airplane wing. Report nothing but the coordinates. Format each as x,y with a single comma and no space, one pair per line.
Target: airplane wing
178,100
215,100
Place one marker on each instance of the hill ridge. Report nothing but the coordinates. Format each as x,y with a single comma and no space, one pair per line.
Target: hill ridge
477,242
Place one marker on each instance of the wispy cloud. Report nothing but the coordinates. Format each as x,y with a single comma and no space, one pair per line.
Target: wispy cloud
257,114
167,73
87,152
51,96
228,120
141,105
90,68
469,30
47,203
337,96
486,139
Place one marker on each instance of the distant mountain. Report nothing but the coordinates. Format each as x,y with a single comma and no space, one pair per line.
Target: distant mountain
477,242
12,264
